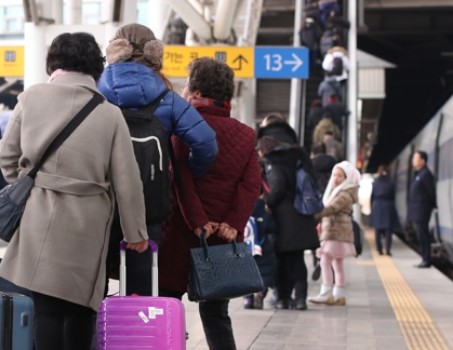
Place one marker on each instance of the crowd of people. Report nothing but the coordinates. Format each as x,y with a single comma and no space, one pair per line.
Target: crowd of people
88,194
323,31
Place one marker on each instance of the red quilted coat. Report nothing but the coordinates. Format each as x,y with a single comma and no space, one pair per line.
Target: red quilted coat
226,193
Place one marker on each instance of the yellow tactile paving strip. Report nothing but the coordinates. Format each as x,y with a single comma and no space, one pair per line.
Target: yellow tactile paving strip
417,326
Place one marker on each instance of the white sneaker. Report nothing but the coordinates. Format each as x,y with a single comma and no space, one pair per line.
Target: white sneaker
325,296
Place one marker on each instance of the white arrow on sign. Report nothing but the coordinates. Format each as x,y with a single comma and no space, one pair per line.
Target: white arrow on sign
297,62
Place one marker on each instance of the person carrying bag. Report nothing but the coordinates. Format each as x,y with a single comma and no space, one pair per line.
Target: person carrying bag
13,197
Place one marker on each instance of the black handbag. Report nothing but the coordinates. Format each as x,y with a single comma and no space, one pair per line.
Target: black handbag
358,237
13,197
222,271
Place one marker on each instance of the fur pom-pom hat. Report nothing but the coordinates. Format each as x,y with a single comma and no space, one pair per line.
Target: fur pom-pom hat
135,42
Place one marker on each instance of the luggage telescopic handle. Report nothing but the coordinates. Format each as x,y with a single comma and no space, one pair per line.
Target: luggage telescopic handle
154,269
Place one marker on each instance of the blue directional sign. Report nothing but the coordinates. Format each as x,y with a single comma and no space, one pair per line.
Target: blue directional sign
281,62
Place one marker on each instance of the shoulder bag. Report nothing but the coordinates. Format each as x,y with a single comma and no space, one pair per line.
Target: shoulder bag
13,197
222,271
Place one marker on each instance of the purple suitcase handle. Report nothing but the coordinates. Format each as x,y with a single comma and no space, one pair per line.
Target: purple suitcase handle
152,245
154,269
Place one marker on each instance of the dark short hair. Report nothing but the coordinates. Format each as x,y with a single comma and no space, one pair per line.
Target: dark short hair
267,143
274,117
75,52
318,148
423,155
212,78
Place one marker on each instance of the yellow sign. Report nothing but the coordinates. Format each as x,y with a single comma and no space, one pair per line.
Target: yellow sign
177,58
11,61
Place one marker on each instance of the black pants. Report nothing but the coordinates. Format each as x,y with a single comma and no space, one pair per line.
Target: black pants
291,272
388,240
422,232
61,325
215,319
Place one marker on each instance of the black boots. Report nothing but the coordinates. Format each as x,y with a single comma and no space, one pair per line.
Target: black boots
301,295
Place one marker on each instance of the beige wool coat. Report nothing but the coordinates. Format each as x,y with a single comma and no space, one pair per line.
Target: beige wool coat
336,223
61,245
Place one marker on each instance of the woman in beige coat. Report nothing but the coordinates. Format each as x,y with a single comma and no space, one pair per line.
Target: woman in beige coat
337,236
59,250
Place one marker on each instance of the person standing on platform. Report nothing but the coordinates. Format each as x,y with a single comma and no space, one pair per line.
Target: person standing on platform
220,202
133,80
337,237
60,247
421,202
323,164
295,232
384,217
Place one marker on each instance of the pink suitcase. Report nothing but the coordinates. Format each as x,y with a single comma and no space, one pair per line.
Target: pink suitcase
141,322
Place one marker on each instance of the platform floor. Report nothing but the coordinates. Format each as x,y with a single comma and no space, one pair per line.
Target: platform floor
391,305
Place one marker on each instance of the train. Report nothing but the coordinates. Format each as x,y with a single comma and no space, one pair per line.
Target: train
436,138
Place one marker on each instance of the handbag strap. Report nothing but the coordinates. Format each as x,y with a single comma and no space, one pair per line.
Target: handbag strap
204,244
68,129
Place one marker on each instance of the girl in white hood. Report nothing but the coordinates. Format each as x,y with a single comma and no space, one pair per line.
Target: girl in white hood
337,237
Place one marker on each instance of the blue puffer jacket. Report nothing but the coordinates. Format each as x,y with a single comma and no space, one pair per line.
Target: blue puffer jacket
133,85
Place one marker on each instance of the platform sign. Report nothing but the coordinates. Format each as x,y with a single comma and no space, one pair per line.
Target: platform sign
281,62
11,61
177,58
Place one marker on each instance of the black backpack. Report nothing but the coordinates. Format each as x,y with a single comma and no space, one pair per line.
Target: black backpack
337,66
153,150
308,199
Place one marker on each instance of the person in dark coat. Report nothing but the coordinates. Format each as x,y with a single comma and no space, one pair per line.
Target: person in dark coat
279,130
309,34
422,200
323,164
315,113
220,202
336,110
296,232
384,217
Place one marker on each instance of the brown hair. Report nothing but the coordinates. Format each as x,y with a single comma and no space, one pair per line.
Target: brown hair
267,144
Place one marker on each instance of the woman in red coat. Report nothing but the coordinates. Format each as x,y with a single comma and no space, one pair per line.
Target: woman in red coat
220,201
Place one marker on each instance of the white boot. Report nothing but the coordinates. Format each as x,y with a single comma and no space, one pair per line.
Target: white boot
339,295
324,297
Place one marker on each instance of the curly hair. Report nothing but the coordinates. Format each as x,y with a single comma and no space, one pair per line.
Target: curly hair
75,52
212,78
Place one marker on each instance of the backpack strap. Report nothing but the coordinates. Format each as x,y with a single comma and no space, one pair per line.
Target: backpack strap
154,104
143,112
177,176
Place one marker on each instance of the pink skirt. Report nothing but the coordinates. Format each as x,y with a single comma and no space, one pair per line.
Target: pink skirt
336,249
